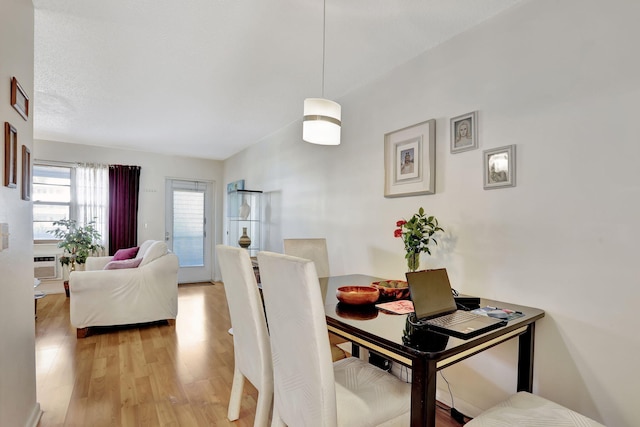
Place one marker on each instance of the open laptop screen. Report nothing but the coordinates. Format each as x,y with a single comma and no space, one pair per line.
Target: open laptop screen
431,293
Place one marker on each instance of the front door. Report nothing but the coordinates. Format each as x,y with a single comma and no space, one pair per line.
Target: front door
188,229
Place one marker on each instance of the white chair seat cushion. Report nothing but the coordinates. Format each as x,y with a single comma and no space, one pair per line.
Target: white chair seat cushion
367,395
528,410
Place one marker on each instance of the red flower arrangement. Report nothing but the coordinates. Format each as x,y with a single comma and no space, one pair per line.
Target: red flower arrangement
417,234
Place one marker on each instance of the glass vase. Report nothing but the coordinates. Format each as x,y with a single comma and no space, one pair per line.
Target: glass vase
413,261
245,240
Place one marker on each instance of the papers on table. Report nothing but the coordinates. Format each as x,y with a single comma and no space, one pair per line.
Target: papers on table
397,307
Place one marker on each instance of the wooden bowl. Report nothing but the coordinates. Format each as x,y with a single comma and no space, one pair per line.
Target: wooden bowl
357,295
392,289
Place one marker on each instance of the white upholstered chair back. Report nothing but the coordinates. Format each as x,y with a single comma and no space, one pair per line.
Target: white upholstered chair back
252,349
304,388
313,249
309,389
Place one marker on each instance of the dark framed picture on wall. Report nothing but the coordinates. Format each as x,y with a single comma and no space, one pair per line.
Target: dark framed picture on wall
464,133
10,155
500,167
26,173
19,98
409,160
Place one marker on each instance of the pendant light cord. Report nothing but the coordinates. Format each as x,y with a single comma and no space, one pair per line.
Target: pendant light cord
324,23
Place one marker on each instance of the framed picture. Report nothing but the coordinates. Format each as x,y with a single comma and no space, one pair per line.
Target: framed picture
500,167
26,173
10,155
410,160
235,186
464,133
19,98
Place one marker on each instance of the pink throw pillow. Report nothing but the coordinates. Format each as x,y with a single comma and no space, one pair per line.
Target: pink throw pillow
125,263
122,254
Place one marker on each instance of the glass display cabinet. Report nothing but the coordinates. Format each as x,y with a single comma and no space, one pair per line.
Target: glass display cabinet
244,213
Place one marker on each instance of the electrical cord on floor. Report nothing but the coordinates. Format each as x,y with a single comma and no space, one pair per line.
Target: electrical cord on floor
455,414
449,387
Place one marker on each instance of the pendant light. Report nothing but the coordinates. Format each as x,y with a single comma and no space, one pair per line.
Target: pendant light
321,123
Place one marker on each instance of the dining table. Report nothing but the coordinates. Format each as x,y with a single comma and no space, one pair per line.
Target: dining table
426,352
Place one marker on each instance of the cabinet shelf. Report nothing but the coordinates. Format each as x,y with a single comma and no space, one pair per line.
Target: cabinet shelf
245,213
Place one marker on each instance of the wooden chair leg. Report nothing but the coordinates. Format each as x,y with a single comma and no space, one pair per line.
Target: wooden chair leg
82,332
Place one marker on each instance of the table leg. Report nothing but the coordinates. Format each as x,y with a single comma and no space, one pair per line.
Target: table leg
525,359
423,393
355,350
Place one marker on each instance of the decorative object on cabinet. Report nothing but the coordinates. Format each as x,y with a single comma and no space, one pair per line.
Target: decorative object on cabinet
26,173
10,155
235,186
464,132
244,216
19,99
500,167
409,160
244,241
245,210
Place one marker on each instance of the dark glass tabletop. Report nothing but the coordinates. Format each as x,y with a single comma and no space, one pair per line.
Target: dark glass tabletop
392,331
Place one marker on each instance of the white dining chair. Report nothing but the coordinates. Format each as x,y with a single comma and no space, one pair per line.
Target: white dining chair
251,347
310,389
313,249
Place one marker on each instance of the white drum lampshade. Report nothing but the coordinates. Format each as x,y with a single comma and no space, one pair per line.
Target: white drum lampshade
321,124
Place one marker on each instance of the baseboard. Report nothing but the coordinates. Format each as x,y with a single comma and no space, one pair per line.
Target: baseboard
36,414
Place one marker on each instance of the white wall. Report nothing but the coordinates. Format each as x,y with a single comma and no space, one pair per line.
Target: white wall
561,80
18,406
155,169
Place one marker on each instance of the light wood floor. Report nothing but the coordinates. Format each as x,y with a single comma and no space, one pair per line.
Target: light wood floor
156,375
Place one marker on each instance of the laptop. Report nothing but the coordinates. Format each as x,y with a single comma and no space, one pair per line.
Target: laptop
435,307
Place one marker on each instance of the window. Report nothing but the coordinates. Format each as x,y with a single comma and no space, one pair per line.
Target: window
52,190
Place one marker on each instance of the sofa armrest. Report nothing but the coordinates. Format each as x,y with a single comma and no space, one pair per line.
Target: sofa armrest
96,262
104,281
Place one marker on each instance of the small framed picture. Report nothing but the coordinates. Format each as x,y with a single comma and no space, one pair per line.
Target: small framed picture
26,173
235,186
409,160
10,155
464,132
19,98
500,167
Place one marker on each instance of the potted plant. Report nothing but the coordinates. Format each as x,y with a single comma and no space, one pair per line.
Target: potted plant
417,234
77,241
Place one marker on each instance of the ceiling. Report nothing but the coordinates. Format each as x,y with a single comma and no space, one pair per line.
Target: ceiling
208,78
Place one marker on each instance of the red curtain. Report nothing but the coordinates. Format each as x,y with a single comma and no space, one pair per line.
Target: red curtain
124,186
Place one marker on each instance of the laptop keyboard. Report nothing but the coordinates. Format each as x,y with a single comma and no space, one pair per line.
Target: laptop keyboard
452,319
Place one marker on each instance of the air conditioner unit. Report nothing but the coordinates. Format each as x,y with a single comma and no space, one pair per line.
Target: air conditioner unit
45,267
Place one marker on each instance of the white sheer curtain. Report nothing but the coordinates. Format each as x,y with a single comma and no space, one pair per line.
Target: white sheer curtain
92,196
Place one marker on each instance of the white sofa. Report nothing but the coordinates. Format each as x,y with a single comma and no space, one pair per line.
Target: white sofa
143,294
